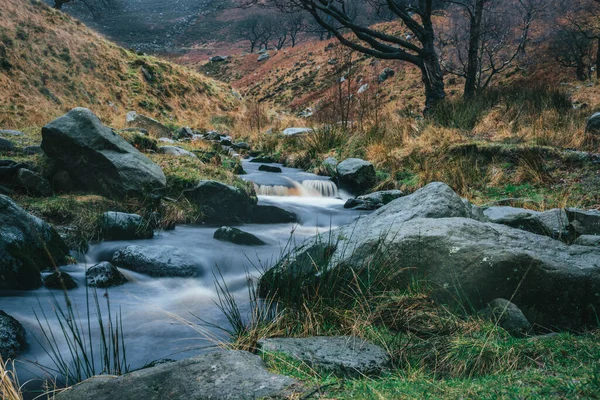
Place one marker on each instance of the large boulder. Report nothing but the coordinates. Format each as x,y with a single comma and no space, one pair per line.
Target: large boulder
431,235
154,128
104,275
584,222
338,354
218,375
157,261
28,245
373,201
220,202
356,174
237,236
270,215
12,337
553,223
97,158
122,226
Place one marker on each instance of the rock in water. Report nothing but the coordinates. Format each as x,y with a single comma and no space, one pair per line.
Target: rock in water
373,201
431,235
12,337
358,175
123,226
219,375
220,202
342,354
157,261
28,245
60,280
269,168
508,316
237,236
98,159
104,275
271,215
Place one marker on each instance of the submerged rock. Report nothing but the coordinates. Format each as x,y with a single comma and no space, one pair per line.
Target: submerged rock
157,261
271,215
237,236
60,280
218,375
122,226
12,337
98,159
342,354
28,245
356,174
104,275
508,315
268,168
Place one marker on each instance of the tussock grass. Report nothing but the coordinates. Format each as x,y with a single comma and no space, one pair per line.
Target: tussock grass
9,384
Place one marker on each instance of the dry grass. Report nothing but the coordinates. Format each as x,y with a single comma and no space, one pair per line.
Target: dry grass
9,385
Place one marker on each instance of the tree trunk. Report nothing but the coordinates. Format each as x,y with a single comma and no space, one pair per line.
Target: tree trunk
433,79
598,59
581,71
473,51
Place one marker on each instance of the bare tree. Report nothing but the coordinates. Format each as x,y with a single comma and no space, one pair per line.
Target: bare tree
296,24
573,49
586,19
415,44
251,29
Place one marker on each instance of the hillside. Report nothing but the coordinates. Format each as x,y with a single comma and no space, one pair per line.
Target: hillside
50,63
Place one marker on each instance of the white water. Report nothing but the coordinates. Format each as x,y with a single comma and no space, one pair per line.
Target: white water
149,305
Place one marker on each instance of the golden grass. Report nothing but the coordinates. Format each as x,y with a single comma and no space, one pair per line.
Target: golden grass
9,384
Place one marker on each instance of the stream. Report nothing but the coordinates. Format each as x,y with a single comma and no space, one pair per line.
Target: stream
152,308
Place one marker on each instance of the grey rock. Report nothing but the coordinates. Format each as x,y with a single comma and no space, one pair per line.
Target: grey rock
212,135
60,280
553,223
241,146
220,202
184,133
28,245
263,57
386,74
508,316
218,58
593,124
432,231
296,131
263,160
104,275
374,200
12,337
220,375
154,128
8,132
157,261
269,168
584,222
225,142
97,158
33,183
330,162
158,362
356,174
176,151
237,236
139,131
588,240
62,182
342,354
122,226
165,140
6,145
32,150
270,215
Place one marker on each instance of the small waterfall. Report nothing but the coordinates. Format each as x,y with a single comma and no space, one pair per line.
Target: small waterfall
323,188
309,188
277,190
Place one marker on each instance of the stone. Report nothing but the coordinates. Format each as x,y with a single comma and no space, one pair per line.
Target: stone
237,236
122,226
33,150
386,74
225,142
430,235
60,280
341,355
217,375
508,316
263,57
330,162
165,140
35,185
584,222
296,131
28,245
13,339
154,128
241,146
553,223
220,202
374,200
176,151
98,159
8,132
157,261
269,168
104,275
356,174
363,88
593,124
212,135
263,160
218,58
588,240
6,145
184,133
271,215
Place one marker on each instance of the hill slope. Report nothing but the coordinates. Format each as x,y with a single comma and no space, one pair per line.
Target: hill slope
50,62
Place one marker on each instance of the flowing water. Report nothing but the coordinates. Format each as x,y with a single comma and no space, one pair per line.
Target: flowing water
149,306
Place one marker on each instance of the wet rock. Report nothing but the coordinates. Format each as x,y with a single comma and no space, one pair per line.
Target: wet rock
508,315
104,275
263,160
157,261
98,159
374,200
34,184
176,151
584,222
553,223
268,168
154,128
219,202
6,145
60,280
342,355
158,362
218,375
28,245
270,215
588,240
122,226
237,236
12,337
356,174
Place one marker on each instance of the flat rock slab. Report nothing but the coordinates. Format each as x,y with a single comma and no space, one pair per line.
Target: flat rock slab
219,375
340,354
